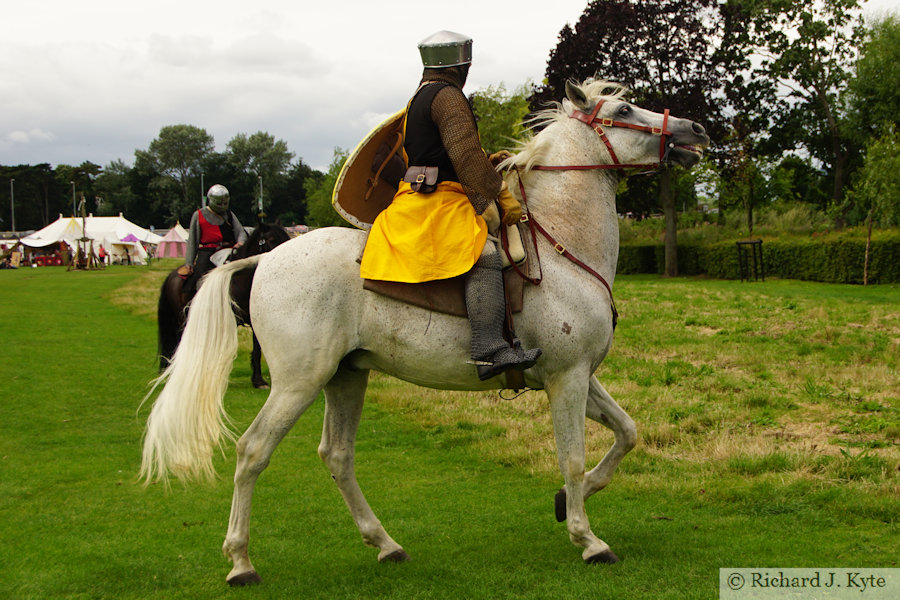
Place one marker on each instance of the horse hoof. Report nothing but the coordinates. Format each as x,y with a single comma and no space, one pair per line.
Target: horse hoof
607,557
246,578
397,556
261,386
560,502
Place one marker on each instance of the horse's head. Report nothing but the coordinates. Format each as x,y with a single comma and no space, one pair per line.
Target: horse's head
264,238
633,136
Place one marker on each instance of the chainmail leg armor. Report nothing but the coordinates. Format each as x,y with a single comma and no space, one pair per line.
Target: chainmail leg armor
486,305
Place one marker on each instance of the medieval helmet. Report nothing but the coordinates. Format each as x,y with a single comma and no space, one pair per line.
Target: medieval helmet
446,49
218,197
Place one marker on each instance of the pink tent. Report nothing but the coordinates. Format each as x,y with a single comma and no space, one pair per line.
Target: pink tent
173,244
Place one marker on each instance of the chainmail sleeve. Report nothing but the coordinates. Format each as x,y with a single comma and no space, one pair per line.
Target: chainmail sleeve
240,234
453,116
190,253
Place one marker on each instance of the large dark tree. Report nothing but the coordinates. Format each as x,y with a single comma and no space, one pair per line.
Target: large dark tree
675,54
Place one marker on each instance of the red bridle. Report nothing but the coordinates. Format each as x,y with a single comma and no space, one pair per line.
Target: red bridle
597,124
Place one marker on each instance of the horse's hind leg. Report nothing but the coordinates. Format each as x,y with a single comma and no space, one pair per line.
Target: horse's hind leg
344,396
278,415
603,409
257,379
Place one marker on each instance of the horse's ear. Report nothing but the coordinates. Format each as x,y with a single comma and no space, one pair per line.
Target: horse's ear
577,96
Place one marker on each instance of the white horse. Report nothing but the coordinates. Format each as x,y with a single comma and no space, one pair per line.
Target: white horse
321,330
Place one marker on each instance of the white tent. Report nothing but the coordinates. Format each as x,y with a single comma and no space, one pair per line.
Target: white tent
106,231
66,230
174,243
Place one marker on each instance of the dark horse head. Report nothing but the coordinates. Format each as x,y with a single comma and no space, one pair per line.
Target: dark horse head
264,237
172,308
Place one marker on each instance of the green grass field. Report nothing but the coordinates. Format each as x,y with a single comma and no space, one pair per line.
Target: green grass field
769,416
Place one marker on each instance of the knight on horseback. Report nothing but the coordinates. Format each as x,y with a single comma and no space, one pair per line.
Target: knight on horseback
212,228
434,228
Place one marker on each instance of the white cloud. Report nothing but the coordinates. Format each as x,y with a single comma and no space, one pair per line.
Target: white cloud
28,137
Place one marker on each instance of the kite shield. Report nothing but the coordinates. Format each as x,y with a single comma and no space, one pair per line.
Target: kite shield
370,177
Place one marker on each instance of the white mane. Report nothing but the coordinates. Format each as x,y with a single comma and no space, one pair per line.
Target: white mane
534,150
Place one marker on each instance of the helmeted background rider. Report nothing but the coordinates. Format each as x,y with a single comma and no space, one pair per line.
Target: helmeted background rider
212,228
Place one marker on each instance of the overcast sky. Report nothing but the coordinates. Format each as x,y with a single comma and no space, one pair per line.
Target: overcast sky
96,79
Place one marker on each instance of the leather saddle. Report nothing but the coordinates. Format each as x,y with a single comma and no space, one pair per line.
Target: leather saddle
448,296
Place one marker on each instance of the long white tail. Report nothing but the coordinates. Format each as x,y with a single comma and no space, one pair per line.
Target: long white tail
188,420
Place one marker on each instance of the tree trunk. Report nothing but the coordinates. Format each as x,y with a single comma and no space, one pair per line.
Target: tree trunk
749,201
838,193
667,199
868,244
837,150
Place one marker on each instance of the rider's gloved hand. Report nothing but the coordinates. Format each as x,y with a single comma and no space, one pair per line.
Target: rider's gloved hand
512,210
498,157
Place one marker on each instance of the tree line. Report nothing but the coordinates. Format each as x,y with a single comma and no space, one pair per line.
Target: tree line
800,98
168,181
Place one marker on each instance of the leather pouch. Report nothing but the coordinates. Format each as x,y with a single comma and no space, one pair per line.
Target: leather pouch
422,180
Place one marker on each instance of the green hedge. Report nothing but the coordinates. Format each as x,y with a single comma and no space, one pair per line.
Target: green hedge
834,258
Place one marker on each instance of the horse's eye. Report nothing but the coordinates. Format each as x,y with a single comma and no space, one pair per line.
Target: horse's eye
624,110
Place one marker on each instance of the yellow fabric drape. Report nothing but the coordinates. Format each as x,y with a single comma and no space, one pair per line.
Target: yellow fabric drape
424,237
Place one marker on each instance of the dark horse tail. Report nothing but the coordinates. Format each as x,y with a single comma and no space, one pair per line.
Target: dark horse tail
170,318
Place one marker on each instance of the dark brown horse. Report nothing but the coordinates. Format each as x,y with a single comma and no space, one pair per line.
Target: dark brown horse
173,305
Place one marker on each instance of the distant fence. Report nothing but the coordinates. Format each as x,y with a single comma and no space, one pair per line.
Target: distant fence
835,258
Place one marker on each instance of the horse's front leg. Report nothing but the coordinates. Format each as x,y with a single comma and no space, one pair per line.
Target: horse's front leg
568,398
344,396
257,379
603,409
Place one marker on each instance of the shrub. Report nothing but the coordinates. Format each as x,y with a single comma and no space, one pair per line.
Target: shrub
637,258
832,258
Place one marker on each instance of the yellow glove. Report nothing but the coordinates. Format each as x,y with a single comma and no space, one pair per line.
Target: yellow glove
498,157
512,210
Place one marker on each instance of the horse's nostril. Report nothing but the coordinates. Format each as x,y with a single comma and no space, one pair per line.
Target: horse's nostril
698,129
